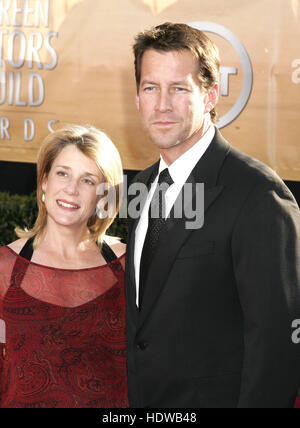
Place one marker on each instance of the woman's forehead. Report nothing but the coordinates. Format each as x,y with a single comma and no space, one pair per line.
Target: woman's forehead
73,158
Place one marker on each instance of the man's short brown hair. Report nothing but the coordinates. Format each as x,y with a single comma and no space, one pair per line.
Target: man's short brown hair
176,37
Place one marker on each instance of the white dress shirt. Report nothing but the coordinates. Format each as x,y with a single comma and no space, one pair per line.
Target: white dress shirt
179,171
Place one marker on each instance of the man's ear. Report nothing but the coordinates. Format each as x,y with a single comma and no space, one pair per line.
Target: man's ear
212,97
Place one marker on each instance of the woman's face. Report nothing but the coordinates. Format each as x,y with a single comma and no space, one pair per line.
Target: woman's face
71,188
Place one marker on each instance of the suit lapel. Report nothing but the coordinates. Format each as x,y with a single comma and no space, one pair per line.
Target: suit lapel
168,248
147,177
206,171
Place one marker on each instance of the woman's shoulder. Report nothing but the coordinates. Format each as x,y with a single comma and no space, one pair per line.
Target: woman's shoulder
17,245
8,256
116,245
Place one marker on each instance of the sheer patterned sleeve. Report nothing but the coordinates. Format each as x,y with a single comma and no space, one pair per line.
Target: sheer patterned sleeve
1,369
7,260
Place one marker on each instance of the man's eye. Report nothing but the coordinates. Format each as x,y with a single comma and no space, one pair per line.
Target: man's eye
149,89
179,89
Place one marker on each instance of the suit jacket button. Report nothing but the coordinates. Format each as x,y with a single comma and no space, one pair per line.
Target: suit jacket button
142,346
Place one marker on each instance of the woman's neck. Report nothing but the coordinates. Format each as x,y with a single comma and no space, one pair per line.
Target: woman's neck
65,241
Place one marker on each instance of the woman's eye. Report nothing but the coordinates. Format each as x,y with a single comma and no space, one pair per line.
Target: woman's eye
62,173
90,182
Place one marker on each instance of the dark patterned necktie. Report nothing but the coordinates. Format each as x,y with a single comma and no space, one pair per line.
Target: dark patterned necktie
156,226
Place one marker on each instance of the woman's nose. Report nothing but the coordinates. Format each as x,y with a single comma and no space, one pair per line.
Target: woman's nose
72,188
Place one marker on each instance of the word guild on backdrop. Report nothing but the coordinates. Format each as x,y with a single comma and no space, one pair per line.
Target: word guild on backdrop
25,39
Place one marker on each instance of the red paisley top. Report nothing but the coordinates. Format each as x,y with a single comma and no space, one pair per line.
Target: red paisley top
65,335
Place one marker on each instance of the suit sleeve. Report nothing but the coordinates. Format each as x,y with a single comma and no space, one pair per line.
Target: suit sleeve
266,258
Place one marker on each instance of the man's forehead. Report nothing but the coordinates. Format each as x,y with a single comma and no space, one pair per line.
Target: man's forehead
180,54
181,65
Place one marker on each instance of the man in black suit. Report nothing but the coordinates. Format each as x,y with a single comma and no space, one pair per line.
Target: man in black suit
210,305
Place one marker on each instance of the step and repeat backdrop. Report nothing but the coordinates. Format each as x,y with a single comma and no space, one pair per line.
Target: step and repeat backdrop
71,61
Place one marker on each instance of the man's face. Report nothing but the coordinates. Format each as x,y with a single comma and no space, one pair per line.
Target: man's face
173,108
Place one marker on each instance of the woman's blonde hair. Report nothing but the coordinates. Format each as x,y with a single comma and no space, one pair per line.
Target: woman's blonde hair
98,147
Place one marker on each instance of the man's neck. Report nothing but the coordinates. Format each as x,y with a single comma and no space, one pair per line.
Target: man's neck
171,154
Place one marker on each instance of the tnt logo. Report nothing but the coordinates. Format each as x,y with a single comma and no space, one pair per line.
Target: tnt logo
228,71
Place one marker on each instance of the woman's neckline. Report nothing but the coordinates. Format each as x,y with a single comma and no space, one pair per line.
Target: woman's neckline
63,269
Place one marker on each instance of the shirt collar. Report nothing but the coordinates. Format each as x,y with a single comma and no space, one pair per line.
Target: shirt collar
184,165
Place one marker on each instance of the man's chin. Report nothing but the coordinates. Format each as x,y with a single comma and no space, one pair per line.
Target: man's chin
164,143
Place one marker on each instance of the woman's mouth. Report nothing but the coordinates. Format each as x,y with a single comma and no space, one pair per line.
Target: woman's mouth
67,205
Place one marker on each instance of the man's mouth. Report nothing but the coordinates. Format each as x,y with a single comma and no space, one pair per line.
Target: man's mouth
163,123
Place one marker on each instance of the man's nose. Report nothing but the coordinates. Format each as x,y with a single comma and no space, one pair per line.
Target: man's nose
164,101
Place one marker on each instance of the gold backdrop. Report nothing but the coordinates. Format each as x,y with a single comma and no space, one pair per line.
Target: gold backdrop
71,61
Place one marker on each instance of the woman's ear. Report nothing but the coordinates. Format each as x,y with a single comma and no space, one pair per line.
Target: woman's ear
44,183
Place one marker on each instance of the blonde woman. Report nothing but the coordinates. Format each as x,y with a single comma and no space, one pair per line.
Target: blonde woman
62,284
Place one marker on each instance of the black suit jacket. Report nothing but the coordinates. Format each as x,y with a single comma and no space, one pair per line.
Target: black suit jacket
215,326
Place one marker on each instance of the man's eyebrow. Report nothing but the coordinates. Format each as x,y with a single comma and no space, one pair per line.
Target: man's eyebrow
180,83
175,82
148,82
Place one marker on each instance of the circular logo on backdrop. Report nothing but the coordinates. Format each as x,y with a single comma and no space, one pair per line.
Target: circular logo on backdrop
241,103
